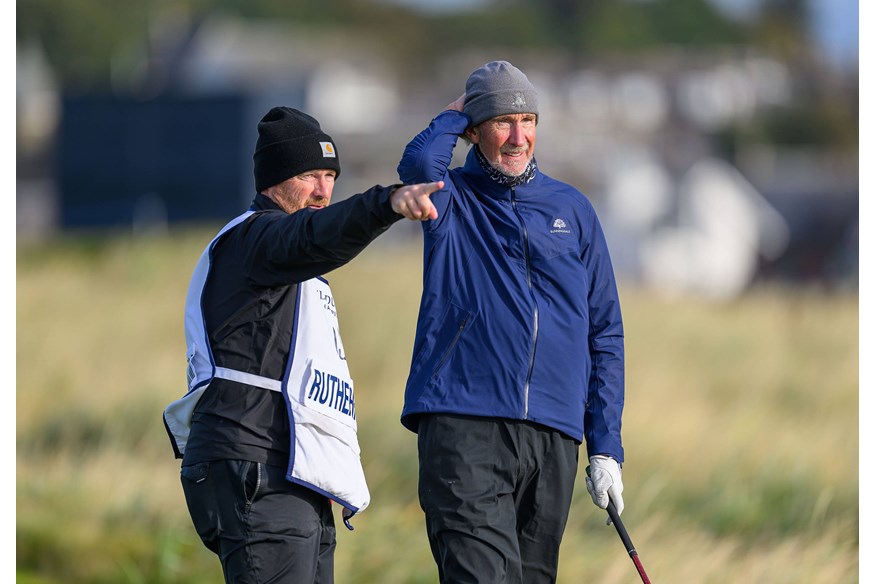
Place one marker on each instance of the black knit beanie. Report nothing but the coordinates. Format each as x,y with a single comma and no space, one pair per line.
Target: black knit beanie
291,142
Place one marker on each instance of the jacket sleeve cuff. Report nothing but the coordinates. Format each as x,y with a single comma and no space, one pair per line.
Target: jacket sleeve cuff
384,205
452,121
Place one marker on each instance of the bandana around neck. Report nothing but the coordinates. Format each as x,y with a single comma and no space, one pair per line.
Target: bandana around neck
501,178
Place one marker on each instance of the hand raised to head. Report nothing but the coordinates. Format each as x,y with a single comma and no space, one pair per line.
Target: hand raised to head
457,104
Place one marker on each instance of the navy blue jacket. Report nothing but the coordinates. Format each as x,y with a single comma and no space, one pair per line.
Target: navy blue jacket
519,317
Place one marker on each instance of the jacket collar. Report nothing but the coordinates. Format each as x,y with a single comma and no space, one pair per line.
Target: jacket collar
263,203
485,185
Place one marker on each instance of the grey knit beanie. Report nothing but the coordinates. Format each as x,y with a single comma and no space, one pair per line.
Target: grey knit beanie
496,89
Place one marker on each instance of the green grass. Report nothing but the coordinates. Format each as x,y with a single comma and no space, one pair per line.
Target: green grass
740,427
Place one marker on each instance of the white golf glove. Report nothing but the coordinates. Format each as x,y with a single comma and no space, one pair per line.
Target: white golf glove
605,481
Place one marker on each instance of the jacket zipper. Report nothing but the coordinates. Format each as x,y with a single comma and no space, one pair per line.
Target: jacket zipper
534,303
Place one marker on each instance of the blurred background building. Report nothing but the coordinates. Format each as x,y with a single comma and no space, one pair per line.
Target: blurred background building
718,139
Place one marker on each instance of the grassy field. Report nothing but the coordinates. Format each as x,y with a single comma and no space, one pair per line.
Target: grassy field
741,428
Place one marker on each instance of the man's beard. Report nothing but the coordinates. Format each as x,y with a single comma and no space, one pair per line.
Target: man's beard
504,169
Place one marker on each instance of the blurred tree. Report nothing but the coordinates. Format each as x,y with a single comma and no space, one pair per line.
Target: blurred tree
824,113
87,42
80,37
637,24
83,38
781,29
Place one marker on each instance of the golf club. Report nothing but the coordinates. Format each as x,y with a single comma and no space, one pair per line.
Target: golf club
625,537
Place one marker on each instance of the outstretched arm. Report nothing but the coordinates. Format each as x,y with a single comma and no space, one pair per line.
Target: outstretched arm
308,243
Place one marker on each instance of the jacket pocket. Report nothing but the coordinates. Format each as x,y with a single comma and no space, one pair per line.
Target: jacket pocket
462,320
252,482
197,473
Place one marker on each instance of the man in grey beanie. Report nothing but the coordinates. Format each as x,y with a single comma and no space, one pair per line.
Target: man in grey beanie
267,429
518,357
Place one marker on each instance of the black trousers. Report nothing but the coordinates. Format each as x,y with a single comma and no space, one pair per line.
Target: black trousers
263,528
496,496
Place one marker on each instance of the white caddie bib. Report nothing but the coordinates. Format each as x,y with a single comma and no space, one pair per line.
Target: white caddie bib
324,447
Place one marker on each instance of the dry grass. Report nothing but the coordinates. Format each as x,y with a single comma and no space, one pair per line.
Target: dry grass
740,427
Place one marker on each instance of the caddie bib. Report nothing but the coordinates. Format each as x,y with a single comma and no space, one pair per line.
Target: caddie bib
317,389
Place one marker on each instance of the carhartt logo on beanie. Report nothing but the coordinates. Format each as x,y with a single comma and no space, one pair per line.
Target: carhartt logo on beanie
496,89
291,142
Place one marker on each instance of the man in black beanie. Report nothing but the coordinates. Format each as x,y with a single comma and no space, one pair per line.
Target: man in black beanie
267,430
518,355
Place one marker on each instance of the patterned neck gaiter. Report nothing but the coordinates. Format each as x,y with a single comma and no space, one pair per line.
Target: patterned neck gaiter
503,179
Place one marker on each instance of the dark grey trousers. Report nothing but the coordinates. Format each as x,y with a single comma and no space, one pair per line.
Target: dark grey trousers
263,528
496,495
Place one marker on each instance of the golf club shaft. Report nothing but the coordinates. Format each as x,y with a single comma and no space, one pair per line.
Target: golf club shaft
625,538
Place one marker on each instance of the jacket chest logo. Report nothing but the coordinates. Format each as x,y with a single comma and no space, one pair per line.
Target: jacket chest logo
560,226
